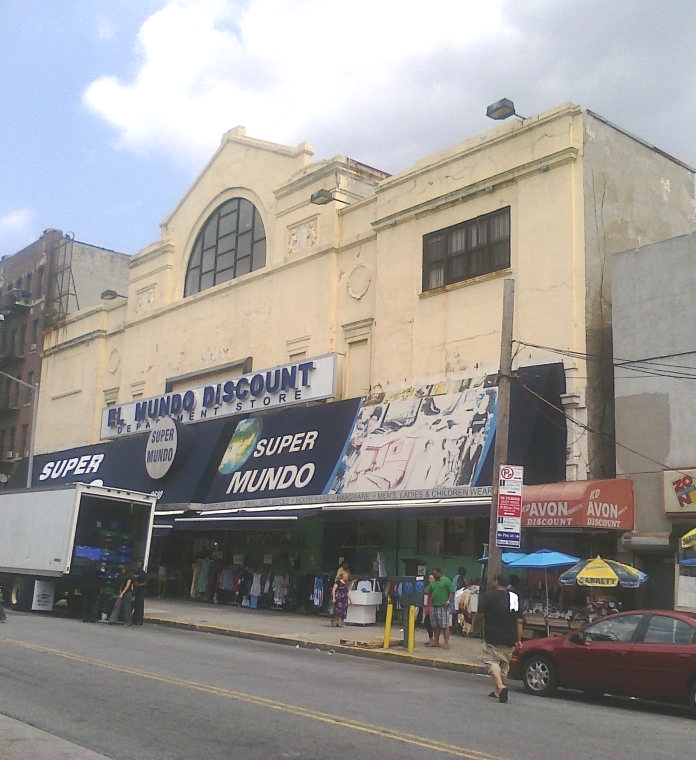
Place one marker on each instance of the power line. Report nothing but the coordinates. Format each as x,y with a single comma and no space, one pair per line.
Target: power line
588,429
655,369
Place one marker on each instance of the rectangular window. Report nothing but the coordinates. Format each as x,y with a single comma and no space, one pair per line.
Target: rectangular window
467,250
451,536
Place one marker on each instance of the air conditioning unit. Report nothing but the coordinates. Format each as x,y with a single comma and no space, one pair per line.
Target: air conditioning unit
32,348
10,455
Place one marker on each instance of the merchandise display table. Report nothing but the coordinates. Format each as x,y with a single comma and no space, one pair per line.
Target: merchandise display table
364,600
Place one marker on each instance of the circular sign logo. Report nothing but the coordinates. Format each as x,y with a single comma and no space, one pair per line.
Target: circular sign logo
507,473
160,451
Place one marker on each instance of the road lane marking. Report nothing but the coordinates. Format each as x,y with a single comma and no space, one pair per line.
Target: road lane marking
271,704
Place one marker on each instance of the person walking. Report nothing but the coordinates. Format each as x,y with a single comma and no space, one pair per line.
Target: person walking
499,615
441,593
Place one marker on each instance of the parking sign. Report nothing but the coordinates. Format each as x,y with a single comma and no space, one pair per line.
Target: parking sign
509,511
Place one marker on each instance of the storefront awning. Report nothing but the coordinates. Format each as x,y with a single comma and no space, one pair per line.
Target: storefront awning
242,518
604,504
471,506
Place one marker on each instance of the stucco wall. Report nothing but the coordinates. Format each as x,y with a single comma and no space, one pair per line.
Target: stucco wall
633,195
343,269
654,313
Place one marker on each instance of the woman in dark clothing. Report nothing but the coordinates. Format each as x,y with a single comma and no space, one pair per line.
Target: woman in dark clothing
339,597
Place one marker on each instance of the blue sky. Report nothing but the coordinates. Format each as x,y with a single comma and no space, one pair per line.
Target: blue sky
111,108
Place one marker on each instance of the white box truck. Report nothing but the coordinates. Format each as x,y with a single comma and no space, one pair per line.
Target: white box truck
48,537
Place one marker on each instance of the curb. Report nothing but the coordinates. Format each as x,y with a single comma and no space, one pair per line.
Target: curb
407,658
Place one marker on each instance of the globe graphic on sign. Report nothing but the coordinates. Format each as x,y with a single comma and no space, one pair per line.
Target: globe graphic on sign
240,446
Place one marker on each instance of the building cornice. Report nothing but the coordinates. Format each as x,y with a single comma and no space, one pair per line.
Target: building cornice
486,185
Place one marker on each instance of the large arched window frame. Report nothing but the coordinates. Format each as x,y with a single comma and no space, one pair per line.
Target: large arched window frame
232,242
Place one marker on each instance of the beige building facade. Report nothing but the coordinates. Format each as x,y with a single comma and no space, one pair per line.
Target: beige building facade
352,276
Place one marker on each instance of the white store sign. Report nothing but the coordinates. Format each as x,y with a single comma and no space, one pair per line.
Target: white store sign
288,384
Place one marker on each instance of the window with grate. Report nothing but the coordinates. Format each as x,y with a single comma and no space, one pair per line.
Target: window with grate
231,243
467,250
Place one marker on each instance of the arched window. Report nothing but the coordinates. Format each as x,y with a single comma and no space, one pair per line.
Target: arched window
231,243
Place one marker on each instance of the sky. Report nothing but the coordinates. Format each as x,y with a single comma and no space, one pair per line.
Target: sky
110,109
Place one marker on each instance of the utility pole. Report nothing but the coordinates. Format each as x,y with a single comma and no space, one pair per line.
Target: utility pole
502,427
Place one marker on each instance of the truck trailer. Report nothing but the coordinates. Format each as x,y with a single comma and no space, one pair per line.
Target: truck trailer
50,539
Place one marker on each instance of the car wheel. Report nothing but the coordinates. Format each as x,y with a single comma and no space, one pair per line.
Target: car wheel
692,698
539,675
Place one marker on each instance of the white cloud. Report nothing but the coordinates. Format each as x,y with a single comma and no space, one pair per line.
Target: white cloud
275,66
16,227
388,82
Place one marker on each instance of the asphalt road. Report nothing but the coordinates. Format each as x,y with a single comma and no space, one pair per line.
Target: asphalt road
156,692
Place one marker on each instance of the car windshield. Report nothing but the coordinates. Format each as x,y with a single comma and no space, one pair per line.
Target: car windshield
613,628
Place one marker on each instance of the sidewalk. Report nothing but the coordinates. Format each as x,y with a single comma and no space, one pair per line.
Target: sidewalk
315,631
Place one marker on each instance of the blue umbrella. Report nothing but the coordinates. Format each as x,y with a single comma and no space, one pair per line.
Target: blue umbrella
506,557
542,559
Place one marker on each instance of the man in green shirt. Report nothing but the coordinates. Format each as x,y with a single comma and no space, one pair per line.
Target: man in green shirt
441,593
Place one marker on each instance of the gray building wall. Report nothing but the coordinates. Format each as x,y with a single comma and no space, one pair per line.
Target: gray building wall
634,195
654,313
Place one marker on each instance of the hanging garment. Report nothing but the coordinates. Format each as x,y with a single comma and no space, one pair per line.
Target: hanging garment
317,596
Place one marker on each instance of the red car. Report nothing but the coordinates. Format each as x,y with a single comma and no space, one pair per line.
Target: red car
650,654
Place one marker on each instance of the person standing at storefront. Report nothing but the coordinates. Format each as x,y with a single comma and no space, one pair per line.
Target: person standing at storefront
162,576
139,584
441,593
123,600
499,615
340,597
427,609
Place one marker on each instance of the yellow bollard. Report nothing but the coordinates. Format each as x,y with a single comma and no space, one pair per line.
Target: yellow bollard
411,628
387,624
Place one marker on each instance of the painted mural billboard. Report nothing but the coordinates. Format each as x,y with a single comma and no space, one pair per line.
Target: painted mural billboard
420,438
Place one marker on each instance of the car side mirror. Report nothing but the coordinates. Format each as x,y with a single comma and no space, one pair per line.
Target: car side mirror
578,637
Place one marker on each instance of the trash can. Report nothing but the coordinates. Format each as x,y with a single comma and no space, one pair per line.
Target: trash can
411,594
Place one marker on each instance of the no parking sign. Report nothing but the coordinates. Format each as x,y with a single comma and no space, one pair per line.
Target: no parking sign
509,511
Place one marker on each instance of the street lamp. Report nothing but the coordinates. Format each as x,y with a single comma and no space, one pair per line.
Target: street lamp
323,196
502,109
110,295
34,409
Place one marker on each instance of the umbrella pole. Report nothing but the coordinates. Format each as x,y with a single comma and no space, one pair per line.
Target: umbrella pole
546,613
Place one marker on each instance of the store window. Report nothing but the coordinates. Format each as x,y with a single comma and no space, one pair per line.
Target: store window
467,250
231,243
453,536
